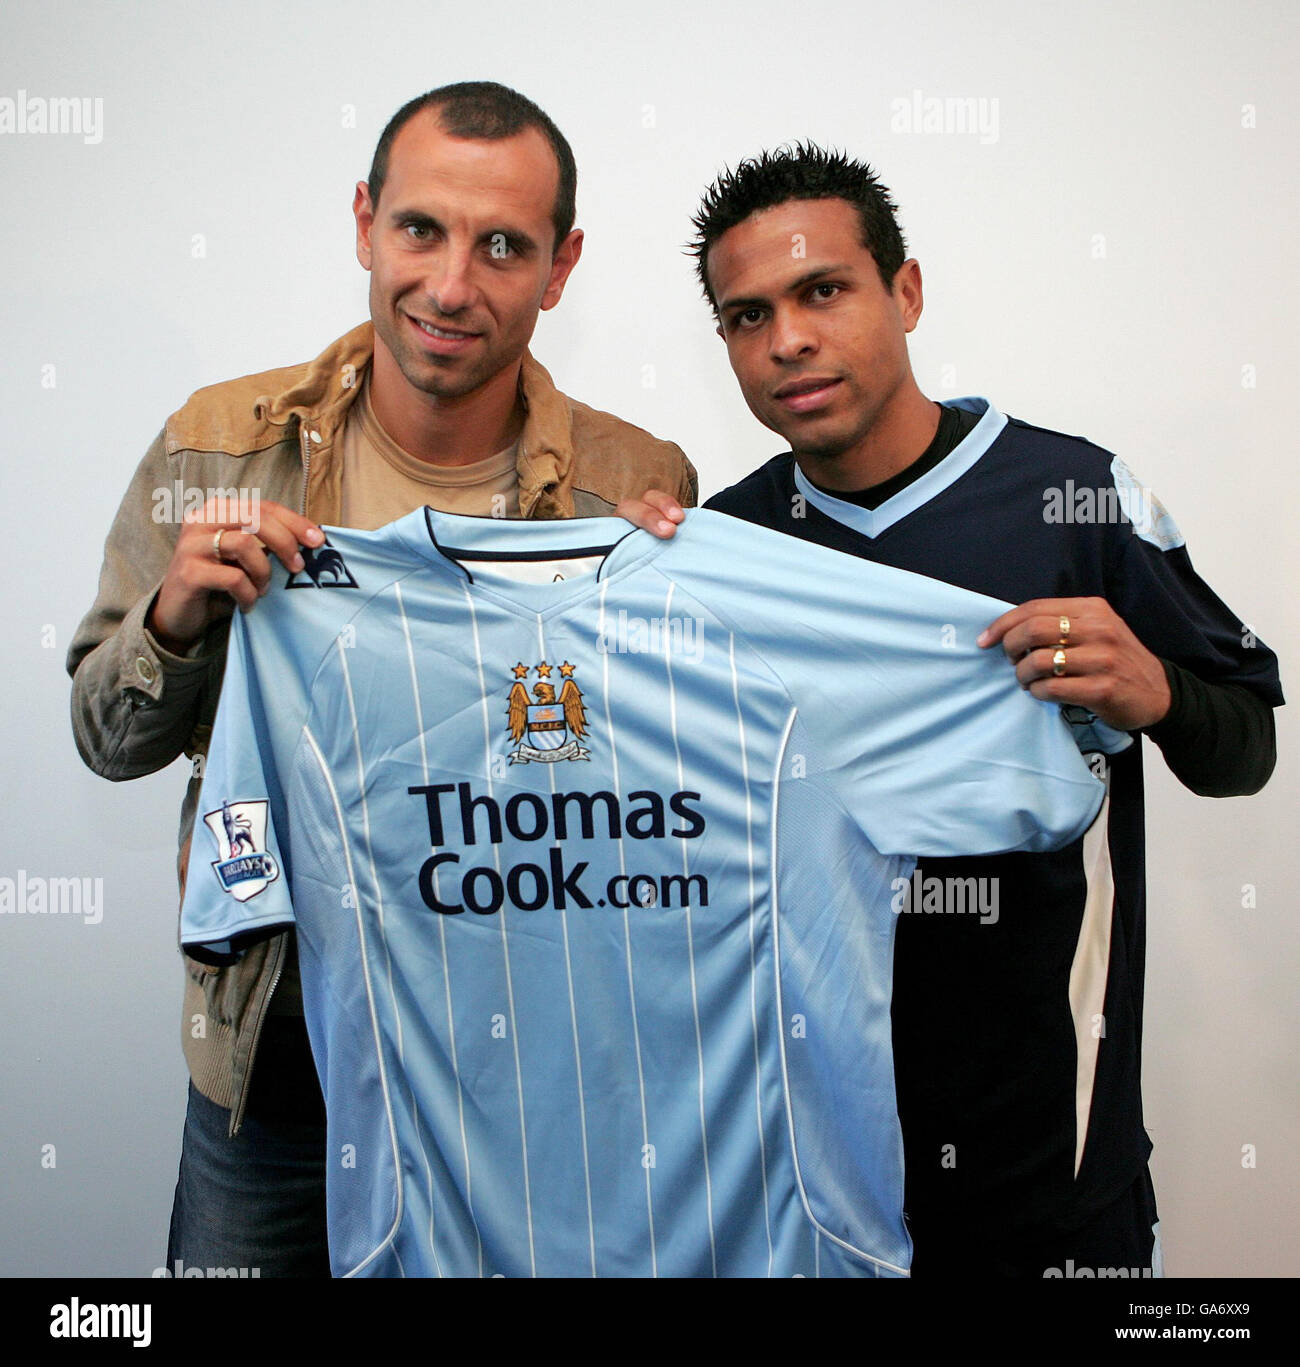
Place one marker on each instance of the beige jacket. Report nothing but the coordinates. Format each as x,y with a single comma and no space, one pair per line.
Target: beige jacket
136,706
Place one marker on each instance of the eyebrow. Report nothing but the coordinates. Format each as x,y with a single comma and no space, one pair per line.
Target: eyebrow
807,278
521,242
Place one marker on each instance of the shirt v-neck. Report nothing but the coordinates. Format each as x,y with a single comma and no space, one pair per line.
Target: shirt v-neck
872,522
448,540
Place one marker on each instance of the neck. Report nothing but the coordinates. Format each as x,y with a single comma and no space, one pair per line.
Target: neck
898,436
446,431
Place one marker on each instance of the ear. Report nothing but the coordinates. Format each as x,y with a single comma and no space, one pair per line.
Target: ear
908,294
364,213
562,263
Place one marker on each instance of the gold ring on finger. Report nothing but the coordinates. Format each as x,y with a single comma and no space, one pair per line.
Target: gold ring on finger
1058,661
216,542
1065,630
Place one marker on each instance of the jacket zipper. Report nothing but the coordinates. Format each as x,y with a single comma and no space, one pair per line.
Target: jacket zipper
237,1116
304,443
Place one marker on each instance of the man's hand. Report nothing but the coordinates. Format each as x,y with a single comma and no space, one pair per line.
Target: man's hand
216,561
1101,665
655,512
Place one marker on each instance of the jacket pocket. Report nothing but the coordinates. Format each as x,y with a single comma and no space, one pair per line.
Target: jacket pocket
228,989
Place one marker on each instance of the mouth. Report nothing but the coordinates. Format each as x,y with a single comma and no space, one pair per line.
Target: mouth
808,394
445,341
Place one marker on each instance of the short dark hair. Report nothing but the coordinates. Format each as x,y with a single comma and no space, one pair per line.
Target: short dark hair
804,171
485,111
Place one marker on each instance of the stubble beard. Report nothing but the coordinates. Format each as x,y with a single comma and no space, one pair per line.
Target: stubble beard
431,375
843,443
429,379
828,446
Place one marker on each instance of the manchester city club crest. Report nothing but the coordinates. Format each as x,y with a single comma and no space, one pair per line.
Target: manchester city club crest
239,829
546,728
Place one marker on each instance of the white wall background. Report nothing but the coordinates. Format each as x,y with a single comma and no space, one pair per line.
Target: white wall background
1167,127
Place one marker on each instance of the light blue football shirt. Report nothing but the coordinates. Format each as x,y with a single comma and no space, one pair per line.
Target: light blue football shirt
591,843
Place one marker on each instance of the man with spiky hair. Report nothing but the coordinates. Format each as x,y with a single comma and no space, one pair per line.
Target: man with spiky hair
1017,1039
465,225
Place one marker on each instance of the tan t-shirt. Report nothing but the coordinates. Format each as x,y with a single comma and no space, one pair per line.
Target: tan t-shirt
381,482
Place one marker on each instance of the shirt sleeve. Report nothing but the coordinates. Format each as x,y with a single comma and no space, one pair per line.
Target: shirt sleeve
1218,737
1219,740
237,887
136,706
930,742
1154,587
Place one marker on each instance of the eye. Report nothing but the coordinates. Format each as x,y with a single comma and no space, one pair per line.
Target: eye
747,318
418,232
500,247
823,290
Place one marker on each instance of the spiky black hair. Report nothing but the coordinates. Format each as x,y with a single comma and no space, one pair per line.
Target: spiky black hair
804,171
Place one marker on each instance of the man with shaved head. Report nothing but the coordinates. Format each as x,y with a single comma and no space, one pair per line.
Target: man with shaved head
466,227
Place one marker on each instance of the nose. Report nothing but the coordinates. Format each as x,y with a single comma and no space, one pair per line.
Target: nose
449,281
791,336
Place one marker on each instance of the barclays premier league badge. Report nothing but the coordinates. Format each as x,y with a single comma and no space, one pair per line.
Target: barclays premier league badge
239,829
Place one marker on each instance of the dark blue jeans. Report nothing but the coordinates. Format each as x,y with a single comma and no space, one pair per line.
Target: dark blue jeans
254,1205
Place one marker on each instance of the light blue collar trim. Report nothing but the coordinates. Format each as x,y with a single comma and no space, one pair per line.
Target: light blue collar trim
872,521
